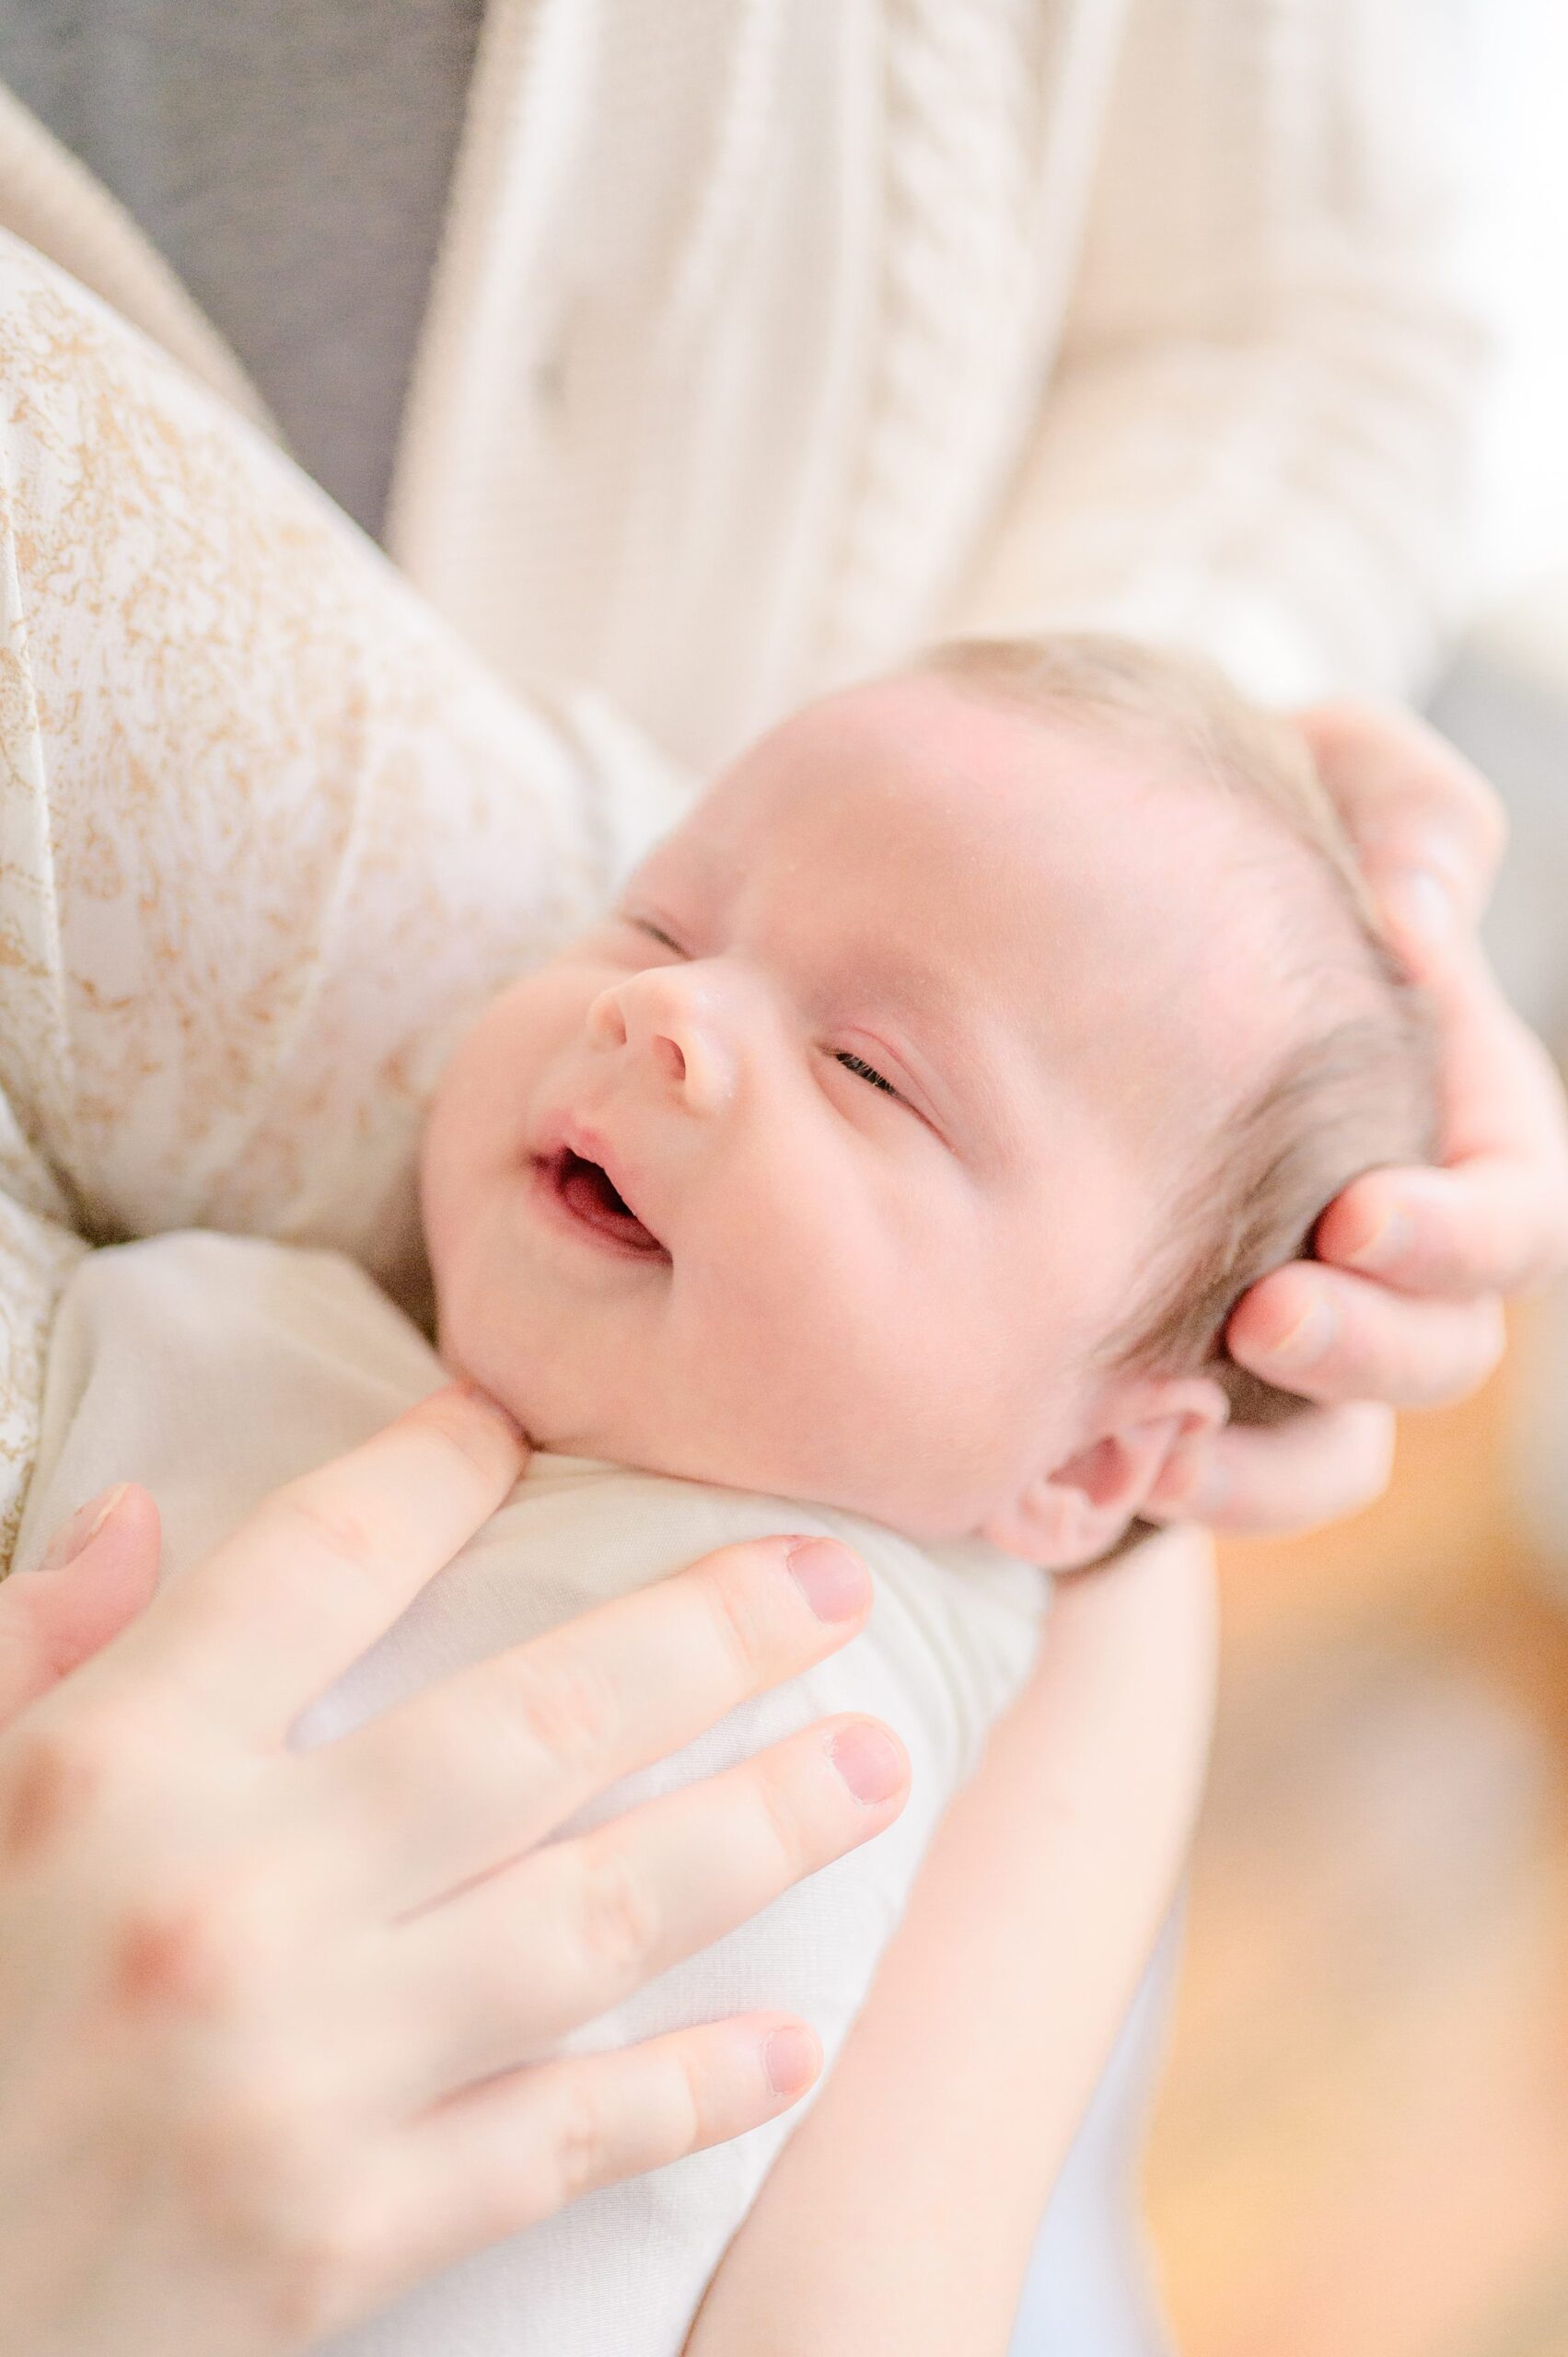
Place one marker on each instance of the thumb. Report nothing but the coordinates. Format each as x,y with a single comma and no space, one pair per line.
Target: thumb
96,1575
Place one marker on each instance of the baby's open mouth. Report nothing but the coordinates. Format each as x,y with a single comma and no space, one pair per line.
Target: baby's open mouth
585,1190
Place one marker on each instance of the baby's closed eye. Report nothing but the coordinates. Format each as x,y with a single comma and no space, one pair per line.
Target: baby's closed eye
655,931
866,1072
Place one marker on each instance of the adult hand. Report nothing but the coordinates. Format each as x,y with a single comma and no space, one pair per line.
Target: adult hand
1403,1305
261,2012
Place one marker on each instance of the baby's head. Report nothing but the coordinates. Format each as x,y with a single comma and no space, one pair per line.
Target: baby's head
904,1139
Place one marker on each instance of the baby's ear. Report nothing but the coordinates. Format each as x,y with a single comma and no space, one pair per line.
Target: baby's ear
1072,1513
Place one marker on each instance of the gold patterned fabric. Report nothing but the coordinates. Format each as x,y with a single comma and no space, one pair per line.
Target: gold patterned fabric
268,833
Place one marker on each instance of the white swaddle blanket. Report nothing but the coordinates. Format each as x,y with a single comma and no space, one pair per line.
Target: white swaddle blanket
212,1369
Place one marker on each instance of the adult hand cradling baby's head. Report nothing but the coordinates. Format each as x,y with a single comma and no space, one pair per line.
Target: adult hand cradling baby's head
1406,1306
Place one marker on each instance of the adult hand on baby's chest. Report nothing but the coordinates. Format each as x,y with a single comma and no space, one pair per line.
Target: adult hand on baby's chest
290,1985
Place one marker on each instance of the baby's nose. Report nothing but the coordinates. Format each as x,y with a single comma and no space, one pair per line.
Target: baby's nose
666,1014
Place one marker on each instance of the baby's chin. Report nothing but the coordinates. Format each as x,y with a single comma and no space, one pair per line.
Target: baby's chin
563,1410
722,1462
565,1406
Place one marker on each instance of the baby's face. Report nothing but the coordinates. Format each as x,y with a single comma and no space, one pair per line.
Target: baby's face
824,1163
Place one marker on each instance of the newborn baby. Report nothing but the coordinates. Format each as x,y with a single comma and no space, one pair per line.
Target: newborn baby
886,1164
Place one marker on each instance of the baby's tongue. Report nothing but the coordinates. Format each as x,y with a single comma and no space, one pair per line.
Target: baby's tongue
589,1194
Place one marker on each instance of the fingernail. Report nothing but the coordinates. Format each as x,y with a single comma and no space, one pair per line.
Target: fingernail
82,1529
1385,1244
1418,902
869,1760
1306,1341
790,2058
835,1583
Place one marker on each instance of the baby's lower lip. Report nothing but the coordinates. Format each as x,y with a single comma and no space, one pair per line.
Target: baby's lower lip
581,1194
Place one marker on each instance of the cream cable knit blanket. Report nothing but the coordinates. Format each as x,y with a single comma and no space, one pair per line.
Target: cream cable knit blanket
766,338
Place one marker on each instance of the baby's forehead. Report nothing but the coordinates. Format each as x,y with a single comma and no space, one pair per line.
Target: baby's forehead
1003,838
907,775
1094,898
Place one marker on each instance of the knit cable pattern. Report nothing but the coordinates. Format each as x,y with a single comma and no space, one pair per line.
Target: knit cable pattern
961,121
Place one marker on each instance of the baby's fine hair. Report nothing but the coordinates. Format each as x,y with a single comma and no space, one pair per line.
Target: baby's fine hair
1357,1092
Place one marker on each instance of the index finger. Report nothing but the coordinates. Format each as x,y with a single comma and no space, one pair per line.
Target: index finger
1496,1215
323,1566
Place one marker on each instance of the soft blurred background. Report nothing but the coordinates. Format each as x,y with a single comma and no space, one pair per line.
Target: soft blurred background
1362,2147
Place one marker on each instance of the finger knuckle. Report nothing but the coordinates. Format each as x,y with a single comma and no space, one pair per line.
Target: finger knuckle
196,1951
620,1918
742,1625
59,1772
779,1816
319,2275
689,2105
329,1528
567,1708
579,2142
271,2193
